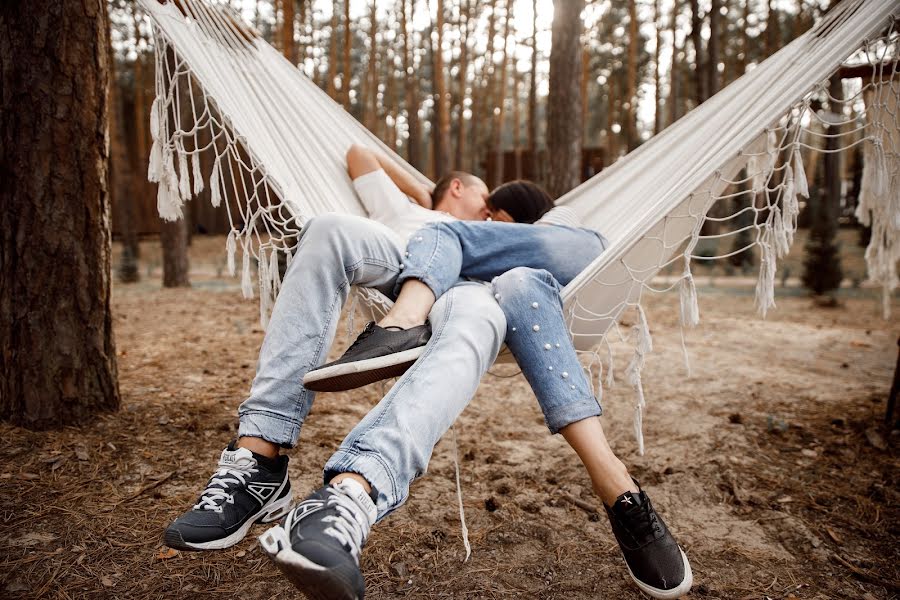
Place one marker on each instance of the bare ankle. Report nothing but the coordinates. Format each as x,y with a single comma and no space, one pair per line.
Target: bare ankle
259,446
401,322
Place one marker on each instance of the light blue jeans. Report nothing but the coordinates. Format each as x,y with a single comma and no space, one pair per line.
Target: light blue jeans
440,253
392,445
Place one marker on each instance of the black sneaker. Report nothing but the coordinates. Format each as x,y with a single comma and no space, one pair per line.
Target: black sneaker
317,546
246,488
378,353
655,561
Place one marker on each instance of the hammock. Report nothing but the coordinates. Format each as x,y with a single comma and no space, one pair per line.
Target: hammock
276,145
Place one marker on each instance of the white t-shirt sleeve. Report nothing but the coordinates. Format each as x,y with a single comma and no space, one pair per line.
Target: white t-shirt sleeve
560,215
380,196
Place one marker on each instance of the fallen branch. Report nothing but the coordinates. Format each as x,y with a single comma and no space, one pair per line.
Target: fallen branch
148,487
868,576
585,506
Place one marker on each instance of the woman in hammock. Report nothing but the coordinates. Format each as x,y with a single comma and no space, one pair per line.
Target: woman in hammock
526,265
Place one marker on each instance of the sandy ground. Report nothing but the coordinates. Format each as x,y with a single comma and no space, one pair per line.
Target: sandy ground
770,463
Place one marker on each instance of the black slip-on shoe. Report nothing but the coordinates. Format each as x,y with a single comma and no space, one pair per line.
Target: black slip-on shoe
246,488
655,561
378,353
317,546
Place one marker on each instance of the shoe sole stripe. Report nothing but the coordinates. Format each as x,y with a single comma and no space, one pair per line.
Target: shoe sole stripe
682,589
348,376
266,514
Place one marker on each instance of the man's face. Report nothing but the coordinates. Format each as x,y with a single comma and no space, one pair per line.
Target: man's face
468,202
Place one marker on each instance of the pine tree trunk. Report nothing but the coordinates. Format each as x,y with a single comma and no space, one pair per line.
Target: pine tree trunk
57,352
563,101
712,48
772,33
697,43
462,129
631,134
657,93
532,98
331,73
121,180
674,80
500,103
371,103
287,31
174,235
413,147
347,73
745,39
441,137
301,42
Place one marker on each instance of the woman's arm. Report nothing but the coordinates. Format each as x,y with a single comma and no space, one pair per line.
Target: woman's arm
362,160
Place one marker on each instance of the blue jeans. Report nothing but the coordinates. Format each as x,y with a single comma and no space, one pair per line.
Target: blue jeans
440,253
392,445
537,336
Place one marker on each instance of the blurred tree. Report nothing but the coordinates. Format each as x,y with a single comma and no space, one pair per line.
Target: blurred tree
564,134
441,131
631,76
411,85
57,353
288,48
532,94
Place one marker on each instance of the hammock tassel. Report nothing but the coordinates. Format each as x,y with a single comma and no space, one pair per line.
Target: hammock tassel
800,182
790,206
214,189
246,284
154,169
230,249
776,222
198,173
184,179
265,287
765,285
690,310
274,273
154,118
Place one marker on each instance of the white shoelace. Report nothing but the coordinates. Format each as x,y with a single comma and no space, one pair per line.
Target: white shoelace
217,489
350,526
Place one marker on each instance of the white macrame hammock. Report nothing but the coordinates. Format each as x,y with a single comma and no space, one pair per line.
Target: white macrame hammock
274,152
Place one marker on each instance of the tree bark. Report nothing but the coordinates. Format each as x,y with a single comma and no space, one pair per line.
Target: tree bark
287,31
462,80
174,235
371,103
674,82
532,97
301,41
121,179
57,352
347,73
697,43
500,103
657,94
631,135
712,48
441,136
331,73
413,148
564,101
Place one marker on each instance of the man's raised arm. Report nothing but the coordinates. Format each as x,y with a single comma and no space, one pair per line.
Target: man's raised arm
362,160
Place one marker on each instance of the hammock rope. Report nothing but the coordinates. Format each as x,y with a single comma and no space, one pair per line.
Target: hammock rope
231,115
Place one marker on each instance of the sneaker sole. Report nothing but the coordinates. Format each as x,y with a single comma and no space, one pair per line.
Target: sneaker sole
266,514
315,581
682,589
352,375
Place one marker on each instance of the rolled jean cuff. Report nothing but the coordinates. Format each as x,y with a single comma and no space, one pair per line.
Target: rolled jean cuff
373,469
571,412
433,283
274,429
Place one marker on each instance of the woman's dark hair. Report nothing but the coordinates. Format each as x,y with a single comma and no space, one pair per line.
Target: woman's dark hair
525,201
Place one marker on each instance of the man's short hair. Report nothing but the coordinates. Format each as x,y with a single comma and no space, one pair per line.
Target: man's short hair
443,184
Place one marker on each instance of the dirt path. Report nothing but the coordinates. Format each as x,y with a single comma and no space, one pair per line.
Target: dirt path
769,462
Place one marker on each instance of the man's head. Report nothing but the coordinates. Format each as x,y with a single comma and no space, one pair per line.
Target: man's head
462,195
